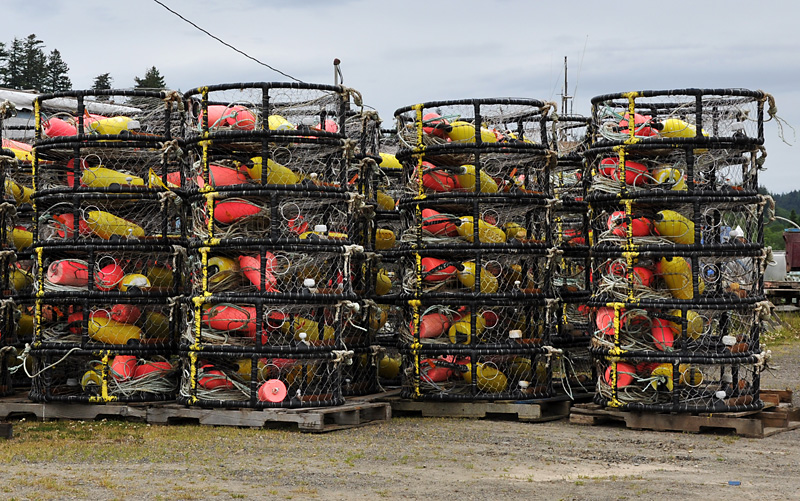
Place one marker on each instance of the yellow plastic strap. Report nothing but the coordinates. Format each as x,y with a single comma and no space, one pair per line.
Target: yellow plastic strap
420,152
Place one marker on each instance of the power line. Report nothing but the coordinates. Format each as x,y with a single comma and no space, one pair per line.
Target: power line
229,45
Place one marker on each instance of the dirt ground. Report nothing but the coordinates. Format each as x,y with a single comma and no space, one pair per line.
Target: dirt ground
405,458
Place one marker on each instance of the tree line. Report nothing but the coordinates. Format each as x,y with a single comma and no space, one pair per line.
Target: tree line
25,65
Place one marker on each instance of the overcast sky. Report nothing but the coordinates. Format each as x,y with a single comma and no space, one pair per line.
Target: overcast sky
402,53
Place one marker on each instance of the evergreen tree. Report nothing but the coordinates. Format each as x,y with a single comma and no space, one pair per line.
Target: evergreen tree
102,82
56,78
3,63
152,80
15,64
35,64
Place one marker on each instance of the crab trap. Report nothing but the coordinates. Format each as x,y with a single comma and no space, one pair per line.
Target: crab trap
256,325
305,134
361,376
85,376
672,384
265,380
287,272
508,374
464,324
686,140
278,216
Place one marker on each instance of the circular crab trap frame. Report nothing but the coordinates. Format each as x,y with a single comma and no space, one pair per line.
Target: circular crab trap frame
279,176
677,255
475,247
263,380
85,376
109,244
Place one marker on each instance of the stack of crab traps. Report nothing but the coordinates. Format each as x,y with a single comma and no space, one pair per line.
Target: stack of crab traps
108,247
474,269
677,257
278,185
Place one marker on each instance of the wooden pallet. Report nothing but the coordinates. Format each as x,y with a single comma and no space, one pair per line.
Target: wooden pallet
778,415
528,411
355,412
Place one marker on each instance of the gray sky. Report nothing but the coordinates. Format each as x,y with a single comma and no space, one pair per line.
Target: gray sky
401,53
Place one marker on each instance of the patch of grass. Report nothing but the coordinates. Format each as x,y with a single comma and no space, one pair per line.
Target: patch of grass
788,332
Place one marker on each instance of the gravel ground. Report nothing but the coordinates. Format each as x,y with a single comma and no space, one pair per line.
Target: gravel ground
405,458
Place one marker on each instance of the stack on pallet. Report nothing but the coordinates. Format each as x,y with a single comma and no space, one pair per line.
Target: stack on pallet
678,249
273,177
474,273
108,247
568,316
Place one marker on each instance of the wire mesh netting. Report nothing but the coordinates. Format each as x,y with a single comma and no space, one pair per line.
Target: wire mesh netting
672,384
511,374
262,381
85,377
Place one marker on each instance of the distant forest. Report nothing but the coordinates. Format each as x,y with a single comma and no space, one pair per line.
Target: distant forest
787,205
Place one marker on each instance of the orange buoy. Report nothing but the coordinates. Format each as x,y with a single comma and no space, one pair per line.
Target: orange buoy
213,379
430,372
224,176
109,276
437,179
625,374
437,224
640,227
75,321
640,127
56,127
229,317
634,171
70,272
65,226
251,268
432,325
435,125
643,276
329,126
237,117
125,313
663,335
273,390
436,270
123,367
157,368
230,211
604,319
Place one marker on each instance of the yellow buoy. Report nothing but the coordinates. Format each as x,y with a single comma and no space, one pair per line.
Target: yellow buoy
665,371
464,132
674,127
276,173
487,233
385,202
134,280
91,378
160,276
384,239
389,367
674,226
25,325
677,274
156,325
467,180
490,380
461,331
113,125
310,328
671,176
21,194
694,323
389,161
466,276
106,225
21,238
277,122
105,330
515,231
100,177
20,279
221,268
383,283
